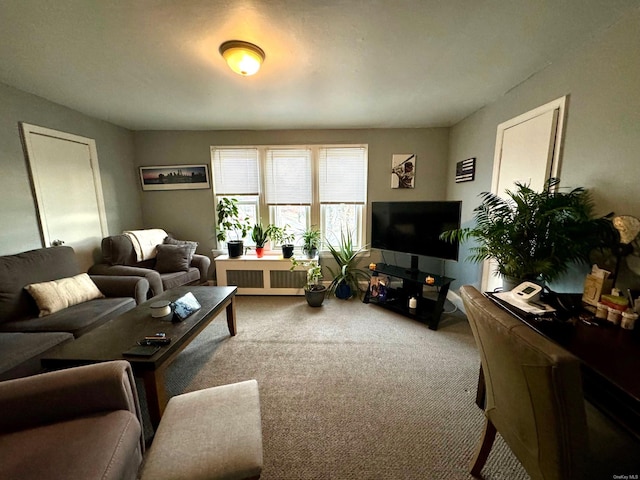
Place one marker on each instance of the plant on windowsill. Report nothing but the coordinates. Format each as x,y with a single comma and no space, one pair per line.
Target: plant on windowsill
311,242
314,291
533,235
282,236
230,224
260,236
346,278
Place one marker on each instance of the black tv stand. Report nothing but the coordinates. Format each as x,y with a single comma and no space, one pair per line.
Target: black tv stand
397,299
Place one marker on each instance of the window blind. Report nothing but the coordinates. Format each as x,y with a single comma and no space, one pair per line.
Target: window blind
288,177
235,171
342,175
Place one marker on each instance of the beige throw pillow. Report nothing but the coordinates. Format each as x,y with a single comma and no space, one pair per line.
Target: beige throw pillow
65,292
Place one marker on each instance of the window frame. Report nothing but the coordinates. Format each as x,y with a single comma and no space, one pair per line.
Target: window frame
315,209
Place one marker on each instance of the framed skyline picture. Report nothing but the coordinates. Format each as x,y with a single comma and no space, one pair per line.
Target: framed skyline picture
174,177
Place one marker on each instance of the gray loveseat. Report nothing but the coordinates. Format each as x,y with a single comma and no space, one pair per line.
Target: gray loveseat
162,273
24,336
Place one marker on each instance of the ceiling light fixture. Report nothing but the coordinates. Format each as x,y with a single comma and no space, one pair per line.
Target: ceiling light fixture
244,58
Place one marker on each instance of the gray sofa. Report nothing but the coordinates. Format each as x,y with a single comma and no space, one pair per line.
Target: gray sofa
24,336
119,258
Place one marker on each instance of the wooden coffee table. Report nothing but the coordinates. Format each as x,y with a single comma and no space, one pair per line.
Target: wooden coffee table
109,341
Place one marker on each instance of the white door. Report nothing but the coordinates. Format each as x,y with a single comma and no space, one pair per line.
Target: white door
527,152
68,191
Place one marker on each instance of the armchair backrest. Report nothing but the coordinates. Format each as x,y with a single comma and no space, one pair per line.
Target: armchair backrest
534,391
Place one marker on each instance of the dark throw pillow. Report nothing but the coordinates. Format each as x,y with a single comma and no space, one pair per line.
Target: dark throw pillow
173,258
173,241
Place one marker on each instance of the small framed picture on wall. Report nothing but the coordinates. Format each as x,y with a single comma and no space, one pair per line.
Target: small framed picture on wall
403,170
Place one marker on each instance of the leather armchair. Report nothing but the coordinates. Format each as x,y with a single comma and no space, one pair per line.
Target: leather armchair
119,258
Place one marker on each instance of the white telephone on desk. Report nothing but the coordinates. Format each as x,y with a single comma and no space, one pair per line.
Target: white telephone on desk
526,297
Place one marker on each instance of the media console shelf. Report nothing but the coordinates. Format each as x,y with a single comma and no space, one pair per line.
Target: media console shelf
397,299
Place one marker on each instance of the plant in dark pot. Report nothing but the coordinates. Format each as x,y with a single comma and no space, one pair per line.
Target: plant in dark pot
283,237
346,277
311,242
230,224
314,291
260,236
533,235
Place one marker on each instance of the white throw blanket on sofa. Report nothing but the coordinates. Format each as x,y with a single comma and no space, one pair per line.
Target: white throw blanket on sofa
145,241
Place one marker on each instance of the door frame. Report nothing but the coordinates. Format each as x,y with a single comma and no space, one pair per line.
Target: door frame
553,170
27,131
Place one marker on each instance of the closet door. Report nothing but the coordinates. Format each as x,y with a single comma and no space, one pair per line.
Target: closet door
67,188
527,152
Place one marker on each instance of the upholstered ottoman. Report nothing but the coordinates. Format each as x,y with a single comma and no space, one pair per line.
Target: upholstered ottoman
209,434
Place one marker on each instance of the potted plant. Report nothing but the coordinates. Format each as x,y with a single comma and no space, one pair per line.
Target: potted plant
260,236
230,223
346,278
533,235
311,242
314,292
282,236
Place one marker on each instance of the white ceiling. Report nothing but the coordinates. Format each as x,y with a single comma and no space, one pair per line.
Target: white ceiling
154,64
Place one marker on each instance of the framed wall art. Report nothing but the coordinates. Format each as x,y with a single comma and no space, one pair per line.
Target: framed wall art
174,177
403,170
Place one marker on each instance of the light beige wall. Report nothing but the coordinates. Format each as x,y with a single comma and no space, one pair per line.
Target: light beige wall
189,214
602,136
18,215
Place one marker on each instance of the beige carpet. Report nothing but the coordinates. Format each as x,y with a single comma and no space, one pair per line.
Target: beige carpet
350,391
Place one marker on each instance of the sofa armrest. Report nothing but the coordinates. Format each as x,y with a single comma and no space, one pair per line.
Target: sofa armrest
123,286
202,263
153,277
66,394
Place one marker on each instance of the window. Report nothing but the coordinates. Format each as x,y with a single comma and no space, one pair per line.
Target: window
297,185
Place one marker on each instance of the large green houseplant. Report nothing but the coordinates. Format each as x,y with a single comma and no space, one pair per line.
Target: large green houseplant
231,224
346,277
535,235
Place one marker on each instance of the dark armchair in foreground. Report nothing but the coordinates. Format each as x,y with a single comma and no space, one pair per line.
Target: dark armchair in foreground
176,263
85,423
81,423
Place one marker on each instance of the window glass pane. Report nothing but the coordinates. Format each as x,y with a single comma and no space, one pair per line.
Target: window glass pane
247,207
296,216
336,218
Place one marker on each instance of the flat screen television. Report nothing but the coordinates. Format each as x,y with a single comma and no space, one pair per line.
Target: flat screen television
415,227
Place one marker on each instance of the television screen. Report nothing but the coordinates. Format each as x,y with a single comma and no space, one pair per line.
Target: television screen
415,227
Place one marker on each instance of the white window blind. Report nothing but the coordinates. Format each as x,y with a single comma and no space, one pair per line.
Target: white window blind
288,177
235,171
342,175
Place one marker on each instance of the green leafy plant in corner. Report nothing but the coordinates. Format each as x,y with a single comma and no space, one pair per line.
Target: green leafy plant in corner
229,221
536,235
347,258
